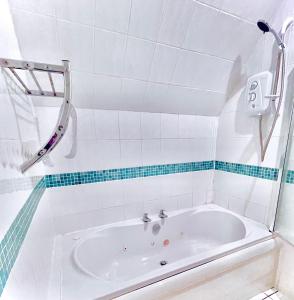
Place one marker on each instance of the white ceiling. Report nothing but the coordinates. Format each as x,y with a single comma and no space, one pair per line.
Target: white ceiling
174,56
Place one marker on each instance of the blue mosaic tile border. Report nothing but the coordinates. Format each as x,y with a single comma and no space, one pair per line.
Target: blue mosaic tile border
248,170
124,173
12,241
290,177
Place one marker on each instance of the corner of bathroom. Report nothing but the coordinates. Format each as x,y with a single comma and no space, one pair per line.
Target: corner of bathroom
146,149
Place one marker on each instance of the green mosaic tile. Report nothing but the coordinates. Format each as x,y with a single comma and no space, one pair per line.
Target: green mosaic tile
12,241
248,170
290,177
66,179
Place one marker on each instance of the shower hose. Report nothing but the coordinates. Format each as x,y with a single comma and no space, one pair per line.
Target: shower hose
281,66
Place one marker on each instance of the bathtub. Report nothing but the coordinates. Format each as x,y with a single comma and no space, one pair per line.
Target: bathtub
111,260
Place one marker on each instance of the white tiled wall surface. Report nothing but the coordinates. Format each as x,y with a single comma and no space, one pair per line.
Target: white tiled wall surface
18,139
172,56
237,136
18,136
116,139
112,139
80,207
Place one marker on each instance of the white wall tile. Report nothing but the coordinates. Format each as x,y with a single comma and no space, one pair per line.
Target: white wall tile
170,149
133,190
107,91
109,49
238,205
145,18
155,97
190,71
189,101
37,36
108,154
131,153
151,188
45,7
184,201
134,210
169,126
221,198
169,203
77,45
203,149
187,126
97,155
110,194
256,212
8,128
164,63
82,89
175,21
177,184
152,206
80,11
106,124
219,44
132,94
251,10
130,125
85,124
150,124
151,152
113,14
139,55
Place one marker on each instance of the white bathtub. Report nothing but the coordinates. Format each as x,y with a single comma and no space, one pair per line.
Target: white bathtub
108,261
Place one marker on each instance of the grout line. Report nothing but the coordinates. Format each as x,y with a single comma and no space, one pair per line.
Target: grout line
127,35
147,81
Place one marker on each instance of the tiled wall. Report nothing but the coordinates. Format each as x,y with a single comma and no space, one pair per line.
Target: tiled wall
155,55
18,139
112,139
238,140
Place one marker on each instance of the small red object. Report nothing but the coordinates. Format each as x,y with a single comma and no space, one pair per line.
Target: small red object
165,243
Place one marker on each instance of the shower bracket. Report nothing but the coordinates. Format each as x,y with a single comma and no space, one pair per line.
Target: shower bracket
62,123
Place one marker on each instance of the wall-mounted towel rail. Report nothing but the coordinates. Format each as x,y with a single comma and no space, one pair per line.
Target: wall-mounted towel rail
64,113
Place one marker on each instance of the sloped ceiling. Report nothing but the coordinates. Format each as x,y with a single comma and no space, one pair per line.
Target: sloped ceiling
174,56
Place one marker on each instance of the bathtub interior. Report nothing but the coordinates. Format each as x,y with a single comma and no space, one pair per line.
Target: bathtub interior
132,250
127,255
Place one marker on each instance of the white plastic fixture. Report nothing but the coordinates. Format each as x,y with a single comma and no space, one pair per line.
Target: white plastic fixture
132,254
257,93
13,66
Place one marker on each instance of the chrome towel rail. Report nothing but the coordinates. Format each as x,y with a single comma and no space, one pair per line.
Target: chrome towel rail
66,107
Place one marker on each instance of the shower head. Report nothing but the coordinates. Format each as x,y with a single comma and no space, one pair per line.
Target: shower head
265,27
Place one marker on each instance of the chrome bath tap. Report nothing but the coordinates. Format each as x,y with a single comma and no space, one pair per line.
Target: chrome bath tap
162,214
145,218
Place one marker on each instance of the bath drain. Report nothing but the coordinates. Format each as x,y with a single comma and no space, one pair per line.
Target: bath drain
163,263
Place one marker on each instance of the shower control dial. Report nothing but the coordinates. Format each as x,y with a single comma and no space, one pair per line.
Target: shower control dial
252,96
254,85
